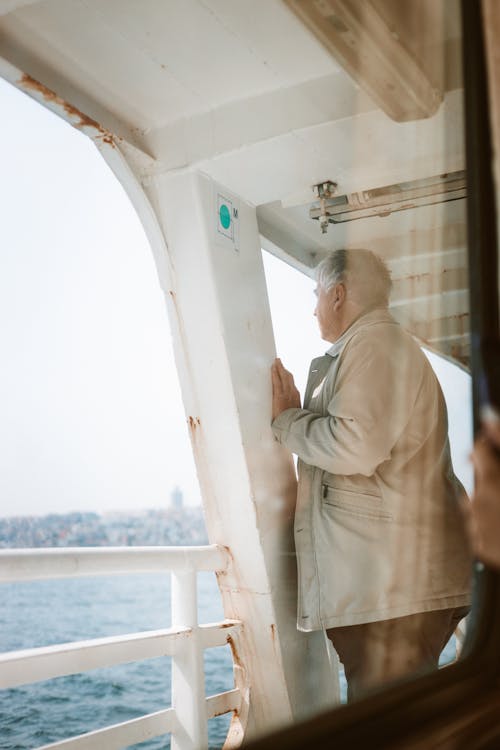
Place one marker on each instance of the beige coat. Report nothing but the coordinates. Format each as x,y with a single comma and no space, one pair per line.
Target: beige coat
378,529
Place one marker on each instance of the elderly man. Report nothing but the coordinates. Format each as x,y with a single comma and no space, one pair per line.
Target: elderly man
383,559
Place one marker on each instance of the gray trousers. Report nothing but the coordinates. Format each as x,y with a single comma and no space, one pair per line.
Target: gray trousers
376,653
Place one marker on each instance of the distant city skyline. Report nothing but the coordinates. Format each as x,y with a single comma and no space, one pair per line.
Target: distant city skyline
153,526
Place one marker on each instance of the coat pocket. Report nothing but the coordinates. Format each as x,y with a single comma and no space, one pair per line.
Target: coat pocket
356,503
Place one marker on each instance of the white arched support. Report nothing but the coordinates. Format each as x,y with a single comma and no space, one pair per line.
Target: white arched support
224,347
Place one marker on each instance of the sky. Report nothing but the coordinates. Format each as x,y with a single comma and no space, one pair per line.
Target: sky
90,405
92,416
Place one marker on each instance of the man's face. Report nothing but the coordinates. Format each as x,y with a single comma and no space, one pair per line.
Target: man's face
328,313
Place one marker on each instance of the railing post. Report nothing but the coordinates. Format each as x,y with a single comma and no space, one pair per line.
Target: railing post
188,680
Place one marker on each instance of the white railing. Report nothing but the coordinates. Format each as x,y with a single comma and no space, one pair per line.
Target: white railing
185,641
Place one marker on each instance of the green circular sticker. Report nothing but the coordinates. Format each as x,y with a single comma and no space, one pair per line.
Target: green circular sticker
224,216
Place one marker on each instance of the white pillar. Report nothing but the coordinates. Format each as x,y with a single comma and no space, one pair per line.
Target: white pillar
188,681
224,347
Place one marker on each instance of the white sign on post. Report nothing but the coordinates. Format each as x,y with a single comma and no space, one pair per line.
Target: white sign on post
227,221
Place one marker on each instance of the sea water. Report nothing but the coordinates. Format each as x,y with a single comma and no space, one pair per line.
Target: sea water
41,613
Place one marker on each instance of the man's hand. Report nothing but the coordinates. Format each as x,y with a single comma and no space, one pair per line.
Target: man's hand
285,394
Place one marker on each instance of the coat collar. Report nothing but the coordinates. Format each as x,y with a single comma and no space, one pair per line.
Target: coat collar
378,315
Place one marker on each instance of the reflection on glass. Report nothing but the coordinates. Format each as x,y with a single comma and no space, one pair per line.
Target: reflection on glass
384,565
384,561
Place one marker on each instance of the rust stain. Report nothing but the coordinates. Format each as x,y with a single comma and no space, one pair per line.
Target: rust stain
194,423
234,651
273,632
78,119
83,120
227,711
31,84
220,574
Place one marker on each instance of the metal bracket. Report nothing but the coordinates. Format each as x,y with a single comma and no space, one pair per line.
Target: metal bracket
324,191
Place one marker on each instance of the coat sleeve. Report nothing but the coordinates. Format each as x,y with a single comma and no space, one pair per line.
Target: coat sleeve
370,406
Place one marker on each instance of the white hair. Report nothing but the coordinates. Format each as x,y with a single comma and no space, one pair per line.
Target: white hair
363,273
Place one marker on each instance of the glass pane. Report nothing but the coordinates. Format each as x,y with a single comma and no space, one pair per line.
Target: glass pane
383,556
341,121
297,336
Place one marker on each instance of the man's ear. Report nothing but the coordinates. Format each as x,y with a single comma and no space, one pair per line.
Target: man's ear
339,295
